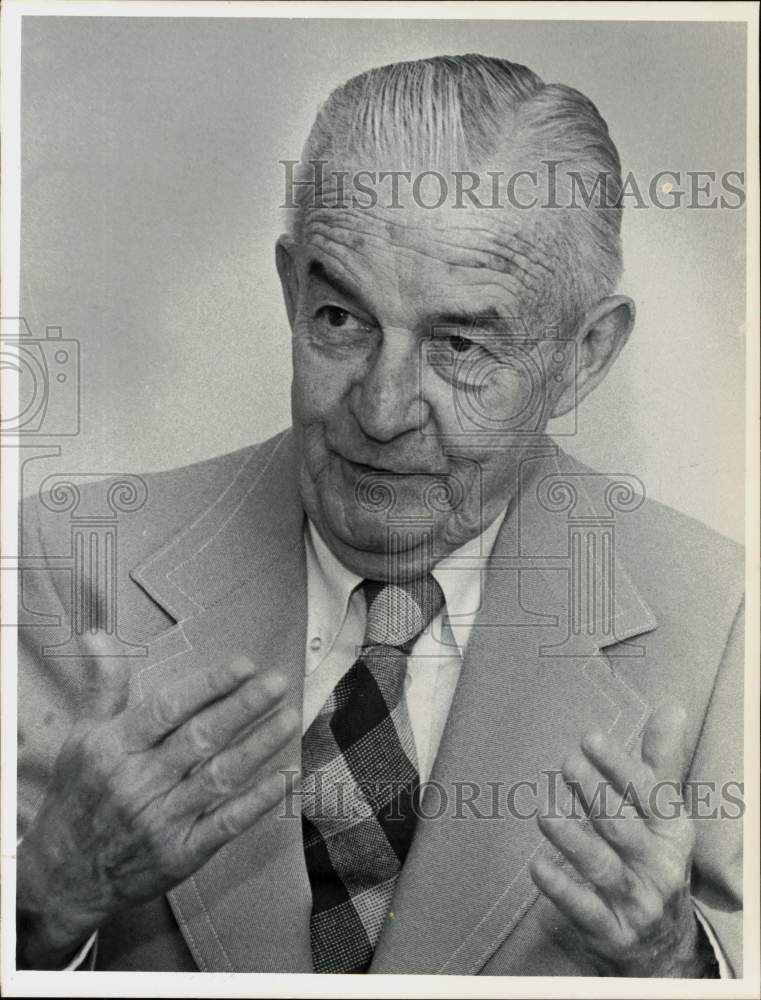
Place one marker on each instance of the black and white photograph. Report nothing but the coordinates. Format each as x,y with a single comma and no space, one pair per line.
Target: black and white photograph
379,416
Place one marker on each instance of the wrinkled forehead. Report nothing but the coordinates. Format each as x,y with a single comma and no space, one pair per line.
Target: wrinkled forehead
420,233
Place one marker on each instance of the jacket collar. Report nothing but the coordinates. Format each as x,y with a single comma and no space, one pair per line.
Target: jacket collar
559,500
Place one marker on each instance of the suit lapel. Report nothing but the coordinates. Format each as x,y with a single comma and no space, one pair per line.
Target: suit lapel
527,693
235,581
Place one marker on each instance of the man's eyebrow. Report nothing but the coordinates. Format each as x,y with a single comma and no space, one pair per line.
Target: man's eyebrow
485,319
317,269
468,322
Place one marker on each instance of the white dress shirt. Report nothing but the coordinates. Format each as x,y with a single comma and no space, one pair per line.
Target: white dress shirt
336,626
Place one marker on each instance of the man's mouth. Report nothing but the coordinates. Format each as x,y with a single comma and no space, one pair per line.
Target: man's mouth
363,468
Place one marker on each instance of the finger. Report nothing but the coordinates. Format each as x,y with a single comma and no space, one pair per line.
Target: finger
217,725
213,830
617,821
592,791
580,904
163,711
663,744
229,772
630,777
589,854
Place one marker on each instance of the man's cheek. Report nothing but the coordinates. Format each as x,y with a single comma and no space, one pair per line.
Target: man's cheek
317,384
318,396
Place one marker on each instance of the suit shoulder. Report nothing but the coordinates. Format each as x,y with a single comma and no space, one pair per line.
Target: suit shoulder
695,541
658,519
689,563
673,554
151,507
187,489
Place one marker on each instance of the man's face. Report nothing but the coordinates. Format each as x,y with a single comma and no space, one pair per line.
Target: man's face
408,352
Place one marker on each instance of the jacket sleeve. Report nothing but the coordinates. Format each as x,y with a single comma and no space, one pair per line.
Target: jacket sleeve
714,789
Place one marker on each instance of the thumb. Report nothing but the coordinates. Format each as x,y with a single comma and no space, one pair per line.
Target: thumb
663,744
106,680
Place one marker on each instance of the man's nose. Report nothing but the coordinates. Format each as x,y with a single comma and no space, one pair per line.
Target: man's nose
386,402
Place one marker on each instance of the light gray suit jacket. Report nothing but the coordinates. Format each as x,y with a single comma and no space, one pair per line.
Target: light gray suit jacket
213,562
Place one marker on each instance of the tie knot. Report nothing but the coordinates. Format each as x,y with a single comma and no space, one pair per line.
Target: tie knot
398,612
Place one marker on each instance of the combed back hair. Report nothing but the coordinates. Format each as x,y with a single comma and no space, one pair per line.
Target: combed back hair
476,113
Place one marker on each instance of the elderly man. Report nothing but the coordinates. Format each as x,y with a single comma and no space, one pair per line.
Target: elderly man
412,690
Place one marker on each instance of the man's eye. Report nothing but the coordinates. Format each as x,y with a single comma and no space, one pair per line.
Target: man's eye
461,345
338,319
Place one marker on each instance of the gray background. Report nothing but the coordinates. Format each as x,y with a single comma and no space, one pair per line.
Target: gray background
151,186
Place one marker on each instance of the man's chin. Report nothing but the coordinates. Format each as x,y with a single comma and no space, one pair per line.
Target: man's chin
378,551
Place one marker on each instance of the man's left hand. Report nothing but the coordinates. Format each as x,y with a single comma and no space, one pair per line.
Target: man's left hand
633,910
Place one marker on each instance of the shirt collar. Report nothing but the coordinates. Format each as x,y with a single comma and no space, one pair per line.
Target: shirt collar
461,574
330,586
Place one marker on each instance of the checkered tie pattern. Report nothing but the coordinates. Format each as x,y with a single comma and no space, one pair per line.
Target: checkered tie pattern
360,782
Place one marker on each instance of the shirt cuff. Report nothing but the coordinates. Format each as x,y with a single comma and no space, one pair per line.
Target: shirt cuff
721,958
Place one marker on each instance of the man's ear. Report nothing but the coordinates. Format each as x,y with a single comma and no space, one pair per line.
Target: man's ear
603,331
286,259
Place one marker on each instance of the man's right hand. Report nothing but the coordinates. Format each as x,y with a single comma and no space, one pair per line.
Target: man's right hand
141,798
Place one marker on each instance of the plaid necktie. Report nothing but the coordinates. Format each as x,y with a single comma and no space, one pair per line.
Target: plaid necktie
360,782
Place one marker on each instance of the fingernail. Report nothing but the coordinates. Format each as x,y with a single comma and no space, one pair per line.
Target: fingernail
275,683
594,741
242,665
291,719
541,867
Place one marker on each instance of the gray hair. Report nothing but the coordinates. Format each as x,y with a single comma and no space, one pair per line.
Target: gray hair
466,110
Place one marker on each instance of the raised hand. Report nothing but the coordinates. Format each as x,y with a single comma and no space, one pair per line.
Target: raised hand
632,909
142,797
